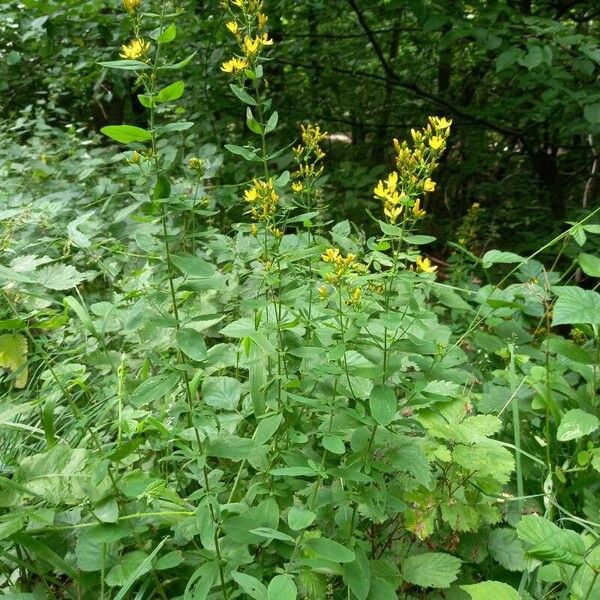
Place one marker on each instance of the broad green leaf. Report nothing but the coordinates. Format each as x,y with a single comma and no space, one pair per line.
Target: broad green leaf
331,550
133,575
193,266
357,575
125,134
272,534
153,388
222,392
493,257
591,112
575,424
245,153
170,560
334,444
547,542
242,95
590,264
282,587
162,188
491,590
171,92
383,404
576,305
174,127
272,122
505,548
60,277
253,124
192,344
250,585
13,356
507,58
300,518
168,35
433,569
178,65
266,428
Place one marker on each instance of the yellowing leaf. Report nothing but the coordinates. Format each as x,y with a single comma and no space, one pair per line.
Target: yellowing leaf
13,356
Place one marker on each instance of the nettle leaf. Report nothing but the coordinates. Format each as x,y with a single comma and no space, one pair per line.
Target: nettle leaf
282,587
488,590
576,305
434,569
125,134
383,404
575,424
547,542
13,356
505,548
60,277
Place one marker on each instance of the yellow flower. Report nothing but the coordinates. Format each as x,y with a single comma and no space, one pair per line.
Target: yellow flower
440,123
356,296
234,65
253,229
392,212
262,21
136,48
251,46
265,40
297,187
437,142
331,255
323,293
417,211
424,265
428,185
131,5
233,27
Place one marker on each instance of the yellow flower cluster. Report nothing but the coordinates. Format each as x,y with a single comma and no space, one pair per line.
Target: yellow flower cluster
343,266
424,265
467,232
414,165
308,154
131,5
135,49
249,28
263,200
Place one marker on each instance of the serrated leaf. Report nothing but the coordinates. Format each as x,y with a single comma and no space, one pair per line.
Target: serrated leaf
59,277
13,356
125,134
433,569
576,305
590,264
504,547
575,424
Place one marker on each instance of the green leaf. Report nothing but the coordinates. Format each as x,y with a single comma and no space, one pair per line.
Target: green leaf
357,575
331,550
125,134
590,264
222,392
300,518
141,569
250,585
162,188
575,424
282,587
507,58
13,356
168,35
242,95
272,122
245,153
126,65
505,548
174,127
171,92
334,444
591,112
491,590
178,65
253,124
576,305
127,565
193,266
493,257
170,560
433,569
266,428
153,388
60,277
272,534
547,542
192,344
383,404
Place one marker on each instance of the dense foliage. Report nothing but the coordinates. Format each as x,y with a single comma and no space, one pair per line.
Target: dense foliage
234,361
